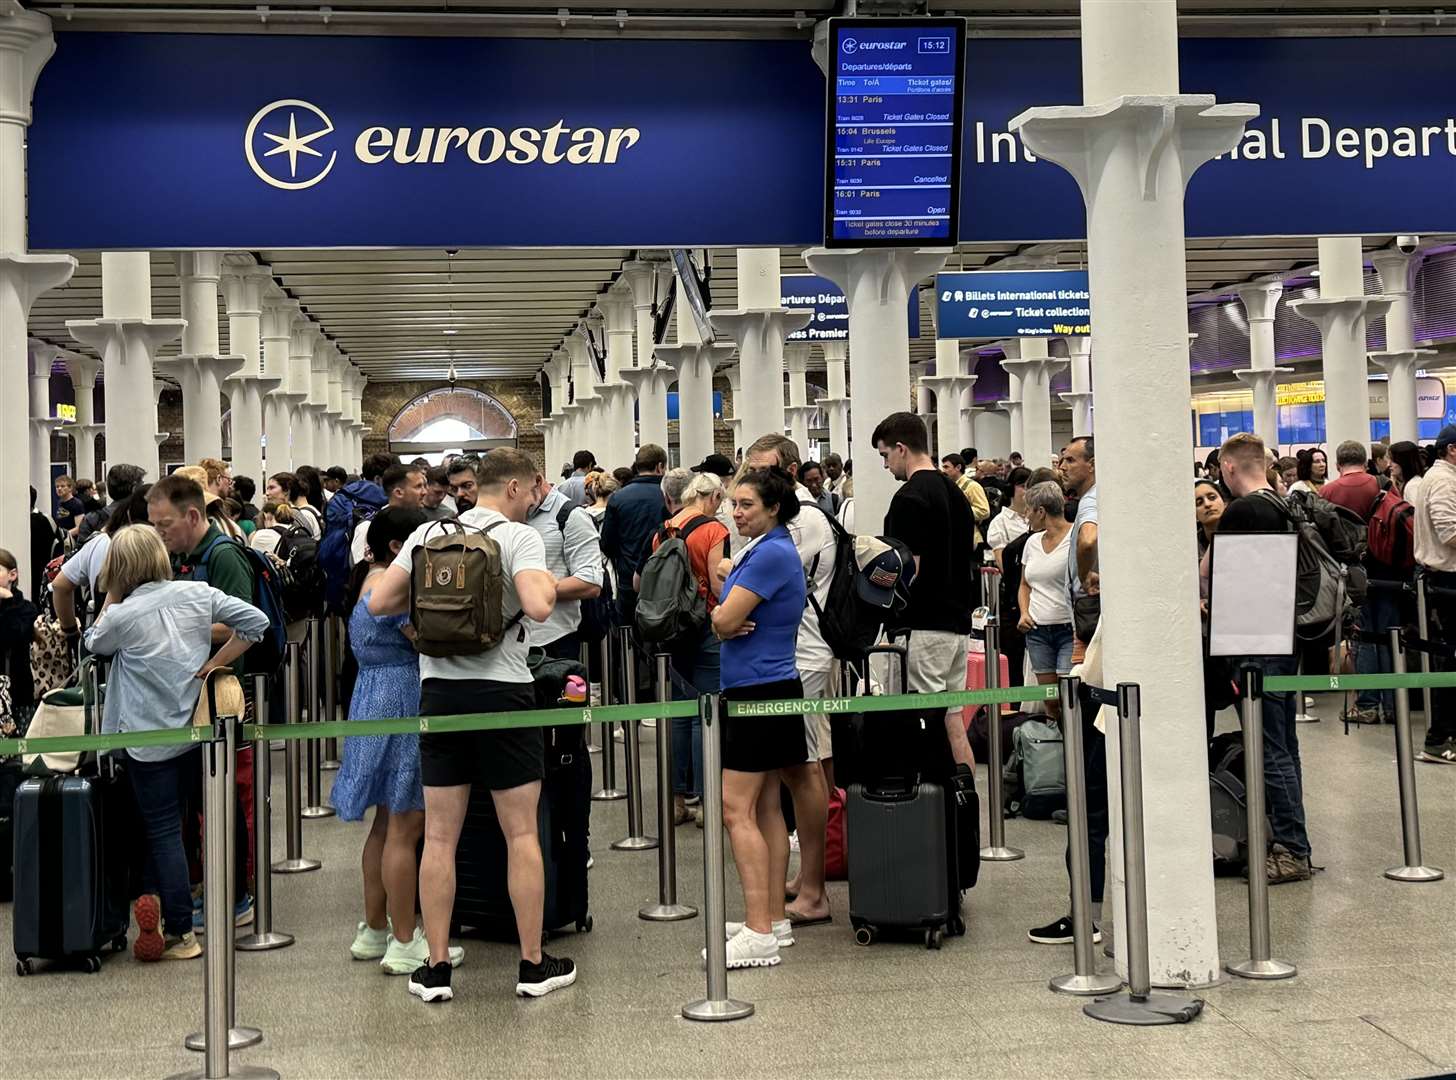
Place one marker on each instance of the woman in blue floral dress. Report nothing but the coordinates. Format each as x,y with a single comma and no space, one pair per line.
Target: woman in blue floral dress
383,771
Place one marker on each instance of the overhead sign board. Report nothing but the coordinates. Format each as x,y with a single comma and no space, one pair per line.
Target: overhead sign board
1013,303
893,136
830,322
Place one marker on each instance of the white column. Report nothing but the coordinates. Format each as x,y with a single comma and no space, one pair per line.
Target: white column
800,412
276,321
360,425
1340,312
42,424
83,432
590,409
1132,148
201,367
969,359
1079,353
991,431
25,46
243,286
1261,301
649,379
949,387
759,325
1035,367
159,387
734,374
334,414
300,387
1400,358
127,337
877,285
695,362
317,401
836,404
619,429
1012,404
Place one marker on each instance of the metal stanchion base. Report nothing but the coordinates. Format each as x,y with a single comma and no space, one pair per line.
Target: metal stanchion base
1415,873
239,1038
1001,854
635,843
295,866
668,912
329,765
1262,969
608,795
317,811
716,1010
1152,1010
273,939
235,1072
1086,985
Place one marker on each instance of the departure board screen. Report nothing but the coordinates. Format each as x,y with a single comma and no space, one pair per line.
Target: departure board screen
894,132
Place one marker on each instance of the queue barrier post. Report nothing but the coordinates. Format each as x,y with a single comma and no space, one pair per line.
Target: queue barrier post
609,791
585,658
1084,979
294,861
667,908
997,850
991,587
717,1005
1414,870
314,806
333,656
1260,964
1138,1005
636,839
1423,618
262,937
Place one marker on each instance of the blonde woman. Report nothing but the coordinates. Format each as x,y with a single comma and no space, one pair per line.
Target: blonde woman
158,634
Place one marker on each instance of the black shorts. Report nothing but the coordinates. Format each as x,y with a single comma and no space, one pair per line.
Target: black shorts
496,759
764,743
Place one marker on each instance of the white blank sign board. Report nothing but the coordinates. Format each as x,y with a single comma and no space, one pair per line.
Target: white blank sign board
1251,605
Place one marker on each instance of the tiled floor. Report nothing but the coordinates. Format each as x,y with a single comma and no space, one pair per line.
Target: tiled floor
1375,996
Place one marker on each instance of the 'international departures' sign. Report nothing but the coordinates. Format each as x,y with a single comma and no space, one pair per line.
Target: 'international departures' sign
830,322
278,140
1013,303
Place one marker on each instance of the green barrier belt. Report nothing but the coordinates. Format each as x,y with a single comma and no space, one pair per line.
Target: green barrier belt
949,699
65,743
1278,684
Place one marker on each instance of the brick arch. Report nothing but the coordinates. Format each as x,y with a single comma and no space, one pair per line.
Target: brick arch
478,410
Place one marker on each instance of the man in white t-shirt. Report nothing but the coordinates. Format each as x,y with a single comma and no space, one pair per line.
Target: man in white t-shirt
814,540
405,486
510,762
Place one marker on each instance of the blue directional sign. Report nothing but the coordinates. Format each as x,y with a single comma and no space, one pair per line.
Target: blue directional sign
831,310
894,138
1013,303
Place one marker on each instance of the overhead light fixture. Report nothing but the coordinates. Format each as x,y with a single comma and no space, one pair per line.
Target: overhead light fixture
1314,273
450,332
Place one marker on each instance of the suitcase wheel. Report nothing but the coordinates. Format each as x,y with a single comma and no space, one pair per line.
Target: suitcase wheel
933,938
118,943
23,968
864,935
92,965
958,927
584,925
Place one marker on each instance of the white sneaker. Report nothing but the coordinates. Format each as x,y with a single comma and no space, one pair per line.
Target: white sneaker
591,860
748,948
1308,702
782,929
401,959
369,944
1305,718
794,840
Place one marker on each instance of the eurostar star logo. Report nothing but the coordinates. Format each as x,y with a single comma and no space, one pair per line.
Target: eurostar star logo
289,114
850,45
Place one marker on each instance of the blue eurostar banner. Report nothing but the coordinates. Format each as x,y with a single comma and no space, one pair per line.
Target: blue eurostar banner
1013,303
830,322
157,141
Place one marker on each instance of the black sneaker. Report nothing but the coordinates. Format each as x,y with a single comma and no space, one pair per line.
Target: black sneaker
431,982
1059,933
538,980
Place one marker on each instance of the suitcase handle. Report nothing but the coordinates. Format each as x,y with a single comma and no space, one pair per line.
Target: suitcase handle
893,789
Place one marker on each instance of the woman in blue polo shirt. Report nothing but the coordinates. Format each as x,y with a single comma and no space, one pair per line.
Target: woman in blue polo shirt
758,622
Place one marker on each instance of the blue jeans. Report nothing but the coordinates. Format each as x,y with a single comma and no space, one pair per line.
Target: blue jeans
1283,774
1050,649
162,789
1380,613
696,670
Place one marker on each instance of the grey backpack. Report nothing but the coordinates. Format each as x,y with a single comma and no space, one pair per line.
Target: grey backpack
669,603
1036,776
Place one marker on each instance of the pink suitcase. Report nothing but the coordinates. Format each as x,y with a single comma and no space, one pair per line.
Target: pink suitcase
976,680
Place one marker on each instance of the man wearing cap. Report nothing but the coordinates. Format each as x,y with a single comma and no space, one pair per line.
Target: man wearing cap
722,468
931,517
1435,535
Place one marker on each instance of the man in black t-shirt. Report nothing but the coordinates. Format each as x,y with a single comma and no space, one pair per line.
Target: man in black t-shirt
1258,509
932,518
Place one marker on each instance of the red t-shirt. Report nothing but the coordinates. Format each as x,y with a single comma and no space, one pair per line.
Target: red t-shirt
1354,491
705,547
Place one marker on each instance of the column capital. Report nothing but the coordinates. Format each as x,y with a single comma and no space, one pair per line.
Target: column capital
1397,270
835,352
796,356
766,324
615,306
1336,315
26,44
640,275
1260,299
31,275
1400,359
242,287
202,265
152,333
843,266
681,357
278,313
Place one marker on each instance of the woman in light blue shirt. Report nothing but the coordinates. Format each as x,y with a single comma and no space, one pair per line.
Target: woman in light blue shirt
158,634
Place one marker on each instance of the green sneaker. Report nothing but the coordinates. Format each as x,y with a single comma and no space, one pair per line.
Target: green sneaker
369,944
402,958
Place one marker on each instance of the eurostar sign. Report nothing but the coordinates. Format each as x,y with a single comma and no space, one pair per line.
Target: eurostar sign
289,128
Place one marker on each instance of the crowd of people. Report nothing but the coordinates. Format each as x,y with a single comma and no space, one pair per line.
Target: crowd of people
163,579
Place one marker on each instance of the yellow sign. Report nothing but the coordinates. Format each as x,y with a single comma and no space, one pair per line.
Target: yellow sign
1301,393
66,412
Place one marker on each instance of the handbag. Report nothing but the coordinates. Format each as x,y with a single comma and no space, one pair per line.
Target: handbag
227,700
1086,612
61,712
52,658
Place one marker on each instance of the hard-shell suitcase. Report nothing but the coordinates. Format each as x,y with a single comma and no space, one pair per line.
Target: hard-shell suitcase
70,893
859,739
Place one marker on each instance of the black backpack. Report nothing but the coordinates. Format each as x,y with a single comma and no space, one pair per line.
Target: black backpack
266,656
302,573
849,625
599,614
670,604
1327,588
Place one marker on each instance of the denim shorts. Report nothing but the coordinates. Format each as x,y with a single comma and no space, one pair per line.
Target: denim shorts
1050,648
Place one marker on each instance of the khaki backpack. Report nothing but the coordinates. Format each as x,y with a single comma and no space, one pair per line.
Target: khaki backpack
457,591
